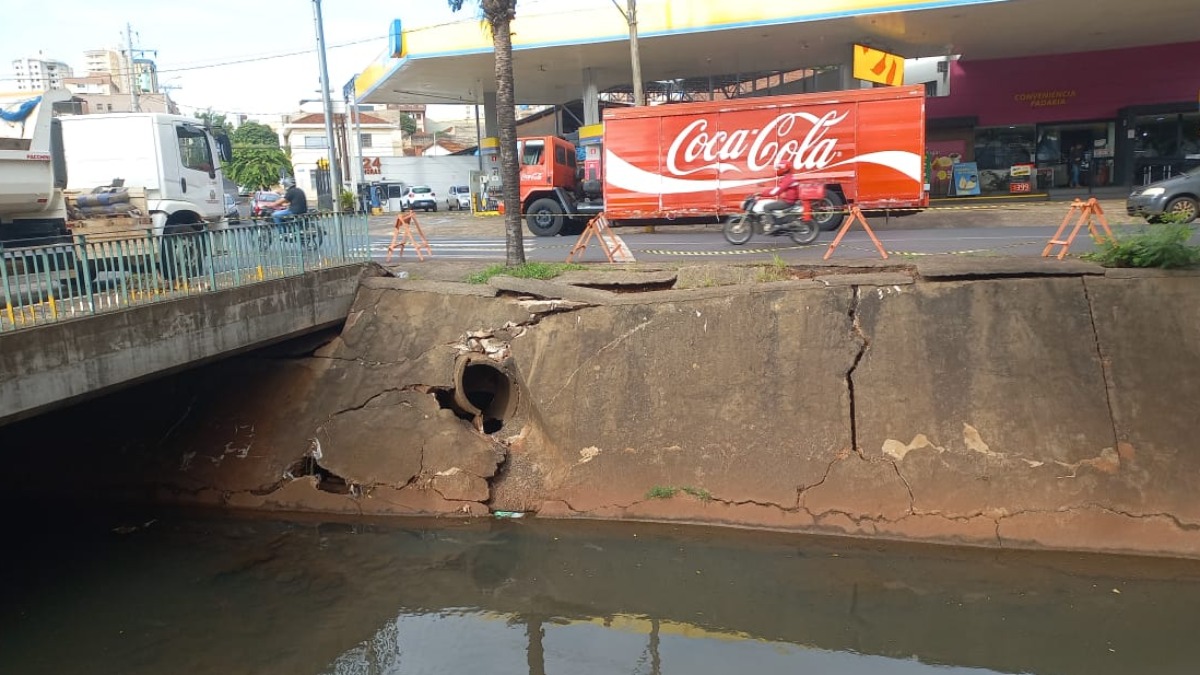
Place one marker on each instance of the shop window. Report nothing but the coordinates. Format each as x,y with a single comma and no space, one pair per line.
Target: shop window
1190,128
1156,136
1000,148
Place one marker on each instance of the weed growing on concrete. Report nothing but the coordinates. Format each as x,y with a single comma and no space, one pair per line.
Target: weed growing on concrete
777,271
1163,245
661,492
667,492
529,270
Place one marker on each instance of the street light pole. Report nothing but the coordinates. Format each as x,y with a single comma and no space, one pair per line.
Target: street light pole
630,14
335,172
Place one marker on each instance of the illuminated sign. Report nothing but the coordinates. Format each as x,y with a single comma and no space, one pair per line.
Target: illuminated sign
875,65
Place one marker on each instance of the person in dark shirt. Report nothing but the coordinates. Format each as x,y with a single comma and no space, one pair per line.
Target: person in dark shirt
293,202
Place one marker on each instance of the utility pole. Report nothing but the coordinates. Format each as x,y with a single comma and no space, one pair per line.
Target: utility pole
335,171
134,103
630,14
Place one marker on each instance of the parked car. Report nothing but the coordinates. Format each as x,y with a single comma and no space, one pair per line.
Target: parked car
1178,196
260,203
460,197
231,209
420,197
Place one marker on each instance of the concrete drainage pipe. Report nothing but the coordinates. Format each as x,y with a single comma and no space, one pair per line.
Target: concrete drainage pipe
484,388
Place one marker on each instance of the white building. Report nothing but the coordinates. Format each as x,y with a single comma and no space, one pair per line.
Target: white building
101,84
39,73
116,64
108,61
304,135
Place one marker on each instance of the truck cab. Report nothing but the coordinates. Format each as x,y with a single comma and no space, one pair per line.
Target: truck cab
553,198
175,159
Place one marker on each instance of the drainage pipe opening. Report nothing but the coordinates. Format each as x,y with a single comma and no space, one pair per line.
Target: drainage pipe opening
484,389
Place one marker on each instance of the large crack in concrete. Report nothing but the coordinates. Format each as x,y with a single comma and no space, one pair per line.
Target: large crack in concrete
1105,370
864,344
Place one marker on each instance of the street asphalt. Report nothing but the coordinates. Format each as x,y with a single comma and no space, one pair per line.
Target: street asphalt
974,230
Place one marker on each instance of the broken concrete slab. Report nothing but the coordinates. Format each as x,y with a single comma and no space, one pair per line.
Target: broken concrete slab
445,287
550,289
872,279
963,267
689,294
984,394
617,277
1140,273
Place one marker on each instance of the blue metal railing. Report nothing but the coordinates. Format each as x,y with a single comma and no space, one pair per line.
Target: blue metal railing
70,277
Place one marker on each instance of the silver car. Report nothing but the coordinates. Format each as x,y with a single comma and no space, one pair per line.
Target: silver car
1178,196
459,198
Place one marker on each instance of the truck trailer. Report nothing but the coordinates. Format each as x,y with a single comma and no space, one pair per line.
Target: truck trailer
700,160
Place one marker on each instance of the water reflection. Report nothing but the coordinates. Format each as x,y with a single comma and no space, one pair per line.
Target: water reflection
461,642
197,596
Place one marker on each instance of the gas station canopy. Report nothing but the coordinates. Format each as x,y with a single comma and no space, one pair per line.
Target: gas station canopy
723,40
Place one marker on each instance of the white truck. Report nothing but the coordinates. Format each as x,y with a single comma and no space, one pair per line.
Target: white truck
169,165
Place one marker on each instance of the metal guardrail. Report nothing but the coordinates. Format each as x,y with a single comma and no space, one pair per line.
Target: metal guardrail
79,276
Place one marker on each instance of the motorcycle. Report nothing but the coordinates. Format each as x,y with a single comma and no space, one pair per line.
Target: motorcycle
793,221
299,229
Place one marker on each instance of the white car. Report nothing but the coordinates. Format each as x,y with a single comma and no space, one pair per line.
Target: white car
460,198
420,197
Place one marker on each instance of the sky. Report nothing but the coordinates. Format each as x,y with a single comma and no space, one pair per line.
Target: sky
227,55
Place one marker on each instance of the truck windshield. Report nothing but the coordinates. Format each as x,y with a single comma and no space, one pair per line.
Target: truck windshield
531,155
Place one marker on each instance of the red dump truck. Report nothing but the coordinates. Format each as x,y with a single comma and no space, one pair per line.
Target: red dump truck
688,160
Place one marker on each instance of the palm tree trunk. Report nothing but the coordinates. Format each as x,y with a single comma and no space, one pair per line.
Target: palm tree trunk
506,117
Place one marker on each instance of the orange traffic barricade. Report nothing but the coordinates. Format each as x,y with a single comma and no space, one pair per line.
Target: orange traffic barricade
408,231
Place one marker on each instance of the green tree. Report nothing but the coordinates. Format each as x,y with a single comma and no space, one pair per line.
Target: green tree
258,161
215,121
498,15
408,124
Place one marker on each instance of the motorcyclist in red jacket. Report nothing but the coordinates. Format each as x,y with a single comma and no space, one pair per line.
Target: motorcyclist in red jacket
785,193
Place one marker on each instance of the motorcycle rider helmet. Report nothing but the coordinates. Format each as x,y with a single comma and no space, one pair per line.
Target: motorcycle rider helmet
287,182
781,168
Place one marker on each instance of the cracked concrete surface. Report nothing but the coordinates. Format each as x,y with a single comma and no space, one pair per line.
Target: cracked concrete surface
1016,412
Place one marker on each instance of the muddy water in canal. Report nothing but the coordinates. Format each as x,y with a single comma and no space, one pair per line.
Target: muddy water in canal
156,593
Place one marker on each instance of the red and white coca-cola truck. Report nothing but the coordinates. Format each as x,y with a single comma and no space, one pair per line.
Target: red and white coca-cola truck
688,160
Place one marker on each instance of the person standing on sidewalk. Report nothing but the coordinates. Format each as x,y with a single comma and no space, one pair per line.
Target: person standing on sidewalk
1074,160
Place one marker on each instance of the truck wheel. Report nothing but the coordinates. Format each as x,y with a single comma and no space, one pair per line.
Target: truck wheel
183,251
544,218
828,213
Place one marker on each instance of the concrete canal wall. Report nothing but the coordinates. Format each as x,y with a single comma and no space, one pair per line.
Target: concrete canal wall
1015,410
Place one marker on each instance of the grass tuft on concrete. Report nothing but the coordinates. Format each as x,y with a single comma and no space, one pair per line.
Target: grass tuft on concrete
529,270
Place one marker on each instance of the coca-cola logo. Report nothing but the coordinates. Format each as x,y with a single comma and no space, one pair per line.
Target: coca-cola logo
776,142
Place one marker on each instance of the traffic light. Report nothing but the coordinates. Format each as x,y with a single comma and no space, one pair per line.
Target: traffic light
323,164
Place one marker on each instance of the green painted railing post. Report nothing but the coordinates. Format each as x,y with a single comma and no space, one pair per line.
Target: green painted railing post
211,248
81,259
